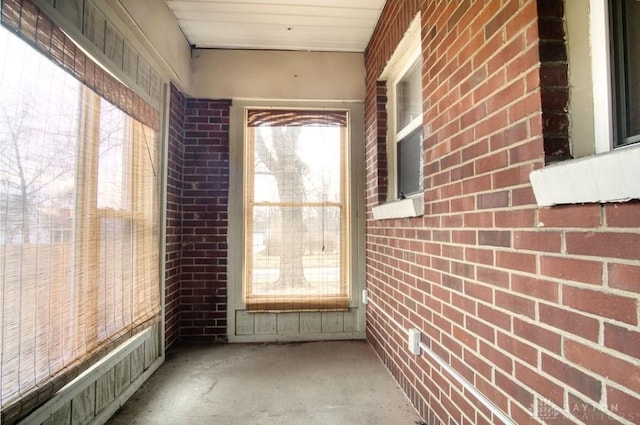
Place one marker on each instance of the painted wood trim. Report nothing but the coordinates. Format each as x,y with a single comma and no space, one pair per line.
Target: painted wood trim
608,177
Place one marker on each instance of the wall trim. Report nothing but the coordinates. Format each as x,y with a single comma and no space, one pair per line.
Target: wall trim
147,85
91,375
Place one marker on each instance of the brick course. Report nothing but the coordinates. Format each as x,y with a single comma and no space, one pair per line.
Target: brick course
535,306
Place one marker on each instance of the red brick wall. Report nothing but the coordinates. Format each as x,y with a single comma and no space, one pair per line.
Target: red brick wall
173,271
197,201
533,306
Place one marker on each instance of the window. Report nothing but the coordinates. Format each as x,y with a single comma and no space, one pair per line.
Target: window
403,76
604,64
407,134
79,216
404,124
296,215
625,35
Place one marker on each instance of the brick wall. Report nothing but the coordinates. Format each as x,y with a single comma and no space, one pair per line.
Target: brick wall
536,307
197,200
205,194
173,271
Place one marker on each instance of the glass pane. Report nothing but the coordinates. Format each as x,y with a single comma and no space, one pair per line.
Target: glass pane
296,251
410,163
78,221
297,164
632,66
38,145
111,159
115,275
409,97
295,223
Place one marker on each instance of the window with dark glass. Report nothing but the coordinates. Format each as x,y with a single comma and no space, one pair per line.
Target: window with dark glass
625,30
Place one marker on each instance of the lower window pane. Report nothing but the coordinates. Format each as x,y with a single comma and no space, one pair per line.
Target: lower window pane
410,163
296,253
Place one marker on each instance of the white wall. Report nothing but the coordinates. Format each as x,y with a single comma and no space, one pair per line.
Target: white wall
277,75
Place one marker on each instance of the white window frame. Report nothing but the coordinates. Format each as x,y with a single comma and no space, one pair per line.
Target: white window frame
407,53
396,135
598,35
601,173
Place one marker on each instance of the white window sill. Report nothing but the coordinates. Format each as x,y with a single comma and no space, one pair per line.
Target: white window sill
412,206
607,177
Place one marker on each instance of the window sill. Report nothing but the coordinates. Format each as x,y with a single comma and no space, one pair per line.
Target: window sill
607,177
412,206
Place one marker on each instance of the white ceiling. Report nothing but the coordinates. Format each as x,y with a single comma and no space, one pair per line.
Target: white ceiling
313,25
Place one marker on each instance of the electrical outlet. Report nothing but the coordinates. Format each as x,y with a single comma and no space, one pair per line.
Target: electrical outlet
414,341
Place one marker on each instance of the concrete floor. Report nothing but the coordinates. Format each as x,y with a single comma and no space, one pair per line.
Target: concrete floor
315,383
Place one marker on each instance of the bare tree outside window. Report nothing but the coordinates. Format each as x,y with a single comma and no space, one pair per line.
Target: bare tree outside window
283,162
37,161
38,132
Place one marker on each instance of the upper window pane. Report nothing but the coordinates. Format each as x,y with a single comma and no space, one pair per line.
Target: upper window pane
297,156
409,96
111,158
297,164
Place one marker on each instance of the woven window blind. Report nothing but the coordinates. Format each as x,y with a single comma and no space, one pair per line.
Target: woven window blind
296,246
79,242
